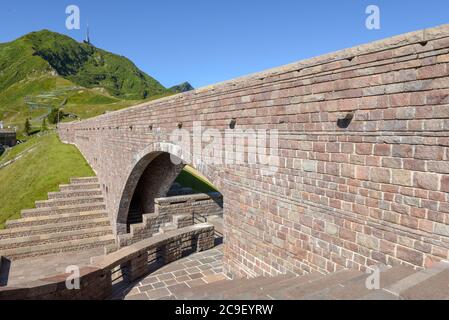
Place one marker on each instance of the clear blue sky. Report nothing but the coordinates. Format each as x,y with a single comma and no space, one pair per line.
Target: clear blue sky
208,41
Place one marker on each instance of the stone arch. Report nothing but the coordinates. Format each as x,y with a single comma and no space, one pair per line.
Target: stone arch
153,170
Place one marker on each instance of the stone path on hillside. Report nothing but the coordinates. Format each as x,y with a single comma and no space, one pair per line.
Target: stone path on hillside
195,270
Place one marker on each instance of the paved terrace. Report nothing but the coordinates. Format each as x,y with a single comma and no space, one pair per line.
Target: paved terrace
24,271
190,272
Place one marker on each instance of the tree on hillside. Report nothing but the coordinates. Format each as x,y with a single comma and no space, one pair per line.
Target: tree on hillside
28,127
55,116
44,125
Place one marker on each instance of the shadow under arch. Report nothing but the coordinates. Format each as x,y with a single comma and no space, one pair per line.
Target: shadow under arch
152,174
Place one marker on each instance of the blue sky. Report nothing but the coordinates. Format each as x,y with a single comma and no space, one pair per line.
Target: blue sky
208,41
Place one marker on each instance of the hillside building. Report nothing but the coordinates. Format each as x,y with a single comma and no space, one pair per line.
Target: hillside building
8,137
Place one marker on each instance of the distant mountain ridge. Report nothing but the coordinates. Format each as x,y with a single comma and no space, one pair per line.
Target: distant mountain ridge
183,87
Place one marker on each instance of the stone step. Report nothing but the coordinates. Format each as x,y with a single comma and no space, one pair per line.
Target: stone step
252,287
246,289
111,248
84,180
200,292
54,219
69,201
170,226
399,282
299,291
356,288
38,212
431,283
59,237
264,292
53,248
53,228
78,187
434,288
74,194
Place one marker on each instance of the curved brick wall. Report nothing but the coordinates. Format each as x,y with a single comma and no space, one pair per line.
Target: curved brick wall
374,192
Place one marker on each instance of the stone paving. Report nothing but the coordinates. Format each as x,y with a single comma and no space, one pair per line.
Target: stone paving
194,270
30,269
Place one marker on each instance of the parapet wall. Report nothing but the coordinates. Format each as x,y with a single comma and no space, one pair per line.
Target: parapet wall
374,191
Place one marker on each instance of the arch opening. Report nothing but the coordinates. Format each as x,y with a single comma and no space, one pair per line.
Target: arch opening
154,182
169,196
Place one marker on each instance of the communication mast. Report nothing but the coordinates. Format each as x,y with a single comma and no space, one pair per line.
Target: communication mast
87,40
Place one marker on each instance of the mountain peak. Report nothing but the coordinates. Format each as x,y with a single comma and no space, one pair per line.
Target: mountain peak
45,70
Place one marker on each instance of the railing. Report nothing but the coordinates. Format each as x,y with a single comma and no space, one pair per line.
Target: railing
123,266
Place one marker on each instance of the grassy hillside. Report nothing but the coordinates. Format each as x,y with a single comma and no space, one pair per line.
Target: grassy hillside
191,178
45,70
30,178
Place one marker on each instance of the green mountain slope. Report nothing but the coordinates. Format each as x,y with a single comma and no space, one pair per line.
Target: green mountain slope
90,67
44,70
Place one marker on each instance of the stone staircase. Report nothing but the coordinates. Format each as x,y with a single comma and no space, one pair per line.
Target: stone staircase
396,283
72,219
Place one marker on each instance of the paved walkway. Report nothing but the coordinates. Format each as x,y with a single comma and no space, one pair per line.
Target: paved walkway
30,269
194,270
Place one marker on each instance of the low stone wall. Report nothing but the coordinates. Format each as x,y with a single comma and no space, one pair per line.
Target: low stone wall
203,204
140,231
184,208
96,279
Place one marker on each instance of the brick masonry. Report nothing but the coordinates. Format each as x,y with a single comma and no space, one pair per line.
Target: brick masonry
374,192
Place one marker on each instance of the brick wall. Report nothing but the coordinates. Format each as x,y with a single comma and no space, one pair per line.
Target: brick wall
374,192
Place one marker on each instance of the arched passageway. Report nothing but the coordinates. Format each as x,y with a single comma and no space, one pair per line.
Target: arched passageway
155,182
164,188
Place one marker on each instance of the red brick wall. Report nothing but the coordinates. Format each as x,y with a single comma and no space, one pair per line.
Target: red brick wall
375,192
